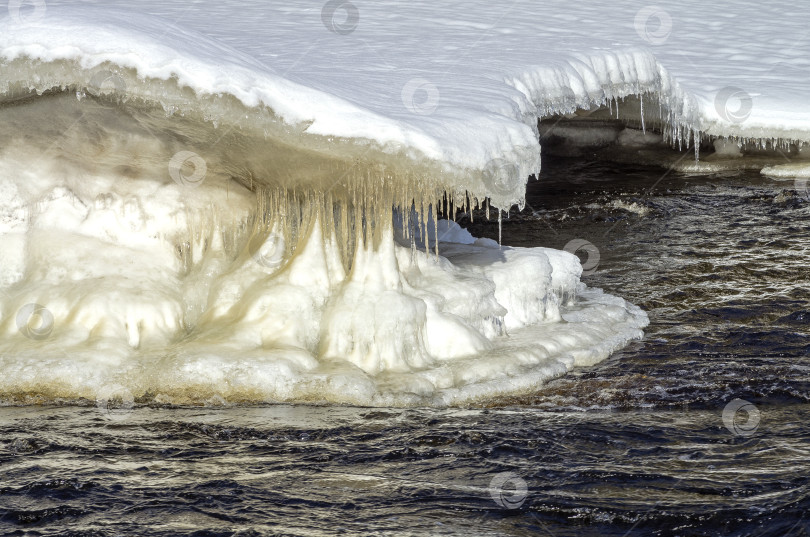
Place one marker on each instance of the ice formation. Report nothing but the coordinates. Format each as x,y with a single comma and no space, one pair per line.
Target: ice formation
238,202
131,268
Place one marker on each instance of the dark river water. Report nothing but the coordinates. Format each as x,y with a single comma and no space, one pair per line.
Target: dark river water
702,428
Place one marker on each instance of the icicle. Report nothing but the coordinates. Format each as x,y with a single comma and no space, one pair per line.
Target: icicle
436,232
679,134
643,127
424,229
500,227
412,232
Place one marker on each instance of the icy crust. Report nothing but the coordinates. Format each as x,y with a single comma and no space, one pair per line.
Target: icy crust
796,170
128,54
481,130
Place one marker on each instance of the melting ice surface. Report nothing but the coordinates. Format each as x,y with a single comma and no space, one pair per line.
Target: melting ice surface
231,202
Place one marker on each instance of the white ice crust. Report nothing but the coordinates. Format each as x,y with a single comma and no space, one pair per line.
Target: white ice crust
462,84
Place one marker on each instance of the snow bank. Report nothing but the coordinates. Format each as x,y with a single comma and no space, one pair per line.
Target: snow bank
462,87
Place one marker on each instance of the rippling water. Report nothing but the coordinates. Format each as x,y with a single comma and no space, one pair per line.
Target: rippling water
638,445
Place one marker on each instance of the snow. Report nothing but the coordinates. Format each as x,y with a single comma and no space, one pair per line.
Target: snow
459,83
135,256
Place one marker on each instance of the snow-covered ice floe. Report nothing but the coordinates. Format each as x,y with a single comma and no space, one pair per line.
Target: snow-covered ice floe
230,201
